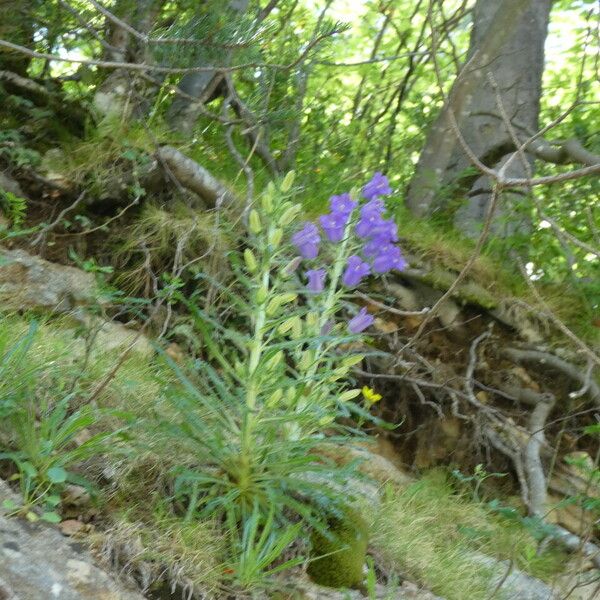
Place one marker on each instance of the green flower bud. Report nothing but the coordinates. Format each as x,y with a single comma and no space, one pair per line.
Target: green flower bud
291,267
289,215
323,421
288,181
261,294
274,361
288,324
274,398
306,360
266,199
312,318
278,301
254,222
250,260
297,328
276,237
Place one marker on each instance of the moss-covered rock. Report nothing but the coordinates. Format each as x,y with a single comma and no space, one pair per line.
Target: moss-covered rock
339,557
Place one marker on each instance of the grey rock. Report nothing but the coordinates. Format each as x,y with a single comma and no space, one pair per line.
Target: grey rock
517,585
38,563
404,591
30,282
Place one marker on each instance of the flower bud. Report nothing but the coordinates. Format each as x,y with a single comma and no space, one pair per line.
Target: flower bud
289,215
327,420
276,237
291,267
274,361
278,301
288,324
297,328
274,398
250,260
306,360
288,181
261,294
254,221
312,318
266,199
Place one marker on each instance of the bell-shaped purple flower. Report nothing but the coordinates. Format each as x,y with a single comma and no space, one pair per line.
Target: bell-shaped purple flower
356,270
307,240
342,204
371,217
385,231
389,257
334,225
378,186
316,280
361,321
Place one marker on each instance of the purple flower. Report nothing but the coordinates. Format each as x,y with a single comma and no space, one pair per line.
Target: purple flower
387,258
326,329
342,205
333,225
307,240
361,321
370,218
316,280
385,230
356,269
378,186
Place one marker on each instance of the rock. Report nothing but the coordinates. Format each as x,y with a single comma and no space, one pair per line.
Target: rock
517,585
37,562
373,465
30,282
307,590
10,185
71,527
110,335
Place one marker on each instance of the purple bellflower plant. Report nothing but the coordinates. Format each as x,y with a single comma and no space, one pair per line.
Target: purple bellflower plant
376,251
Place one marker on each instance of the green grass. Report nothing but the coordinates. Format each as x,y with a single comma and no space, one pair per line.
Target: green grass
428,532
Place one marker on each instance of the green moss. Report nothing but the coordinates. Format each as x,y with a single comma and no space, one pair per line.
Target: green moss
340,556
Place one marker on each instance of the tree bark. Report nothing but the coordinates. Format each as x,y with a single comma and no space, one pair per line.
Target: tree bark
205,85
16,25
115,96
504,66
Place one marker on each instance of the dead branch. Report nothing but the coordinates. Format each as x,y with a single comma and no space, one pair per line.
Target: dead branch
195,177
561,365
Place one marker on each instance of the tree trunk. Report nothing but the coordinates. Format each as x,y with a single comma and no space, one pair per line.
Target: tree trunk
205,85
503,73
117,95
16,26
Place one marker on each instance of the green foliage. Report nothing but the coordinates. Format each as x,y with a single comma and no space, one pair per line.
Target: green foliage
41,426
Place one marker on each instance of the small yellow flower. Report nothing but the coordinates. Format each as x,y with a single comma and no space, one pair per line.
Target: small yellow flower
370,395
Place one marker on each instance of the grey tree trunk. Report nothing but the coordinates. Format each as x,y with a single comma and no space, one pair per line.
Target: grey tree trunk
504,67
16,26
204,86
117,95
